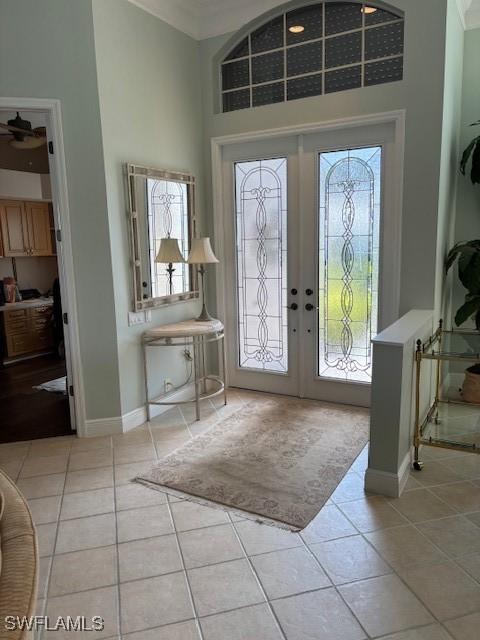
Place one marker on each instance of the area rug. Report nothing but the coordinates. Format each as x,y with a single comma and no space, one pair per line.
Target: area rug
59,385
277,459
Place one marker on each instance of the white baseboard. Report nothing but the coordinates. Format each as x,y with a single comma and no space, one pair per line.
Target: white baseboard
389,484
135,418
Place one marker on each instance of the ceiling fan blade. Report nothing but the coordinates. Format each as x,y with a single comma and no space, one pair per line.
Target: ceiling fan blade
9,127
28,143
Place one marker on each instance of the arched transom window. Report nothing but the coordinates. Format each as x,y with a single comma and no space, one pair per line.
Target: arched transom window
317,49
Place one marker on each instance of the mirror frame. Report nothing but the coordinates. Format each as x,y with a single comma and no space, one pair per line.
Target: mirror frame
137,171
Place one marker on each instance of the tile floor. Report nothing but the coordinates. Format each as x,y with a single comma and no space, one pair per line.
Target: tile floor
159,568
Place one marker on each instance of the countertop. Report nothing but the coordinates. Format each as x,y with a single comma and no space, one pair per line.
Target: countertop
27,304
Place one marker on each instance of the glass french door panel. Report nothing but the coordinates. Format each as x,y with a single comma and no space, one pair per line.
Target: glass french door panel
349,235
261,258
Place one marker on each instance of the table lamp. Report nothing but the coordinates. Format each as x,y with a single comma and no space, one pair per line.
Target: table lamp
169,253
201,253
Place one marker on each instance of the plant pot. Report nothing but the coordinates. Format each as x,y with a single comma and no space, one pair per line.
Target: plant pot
471,384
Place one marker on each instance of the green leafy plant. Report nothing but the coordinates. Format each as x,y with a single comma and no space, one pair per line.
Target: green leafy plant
468,255
473,152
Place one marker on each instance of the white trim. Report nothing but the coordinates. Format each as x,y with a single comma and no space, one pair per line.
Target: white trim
58,175
389,484
137,417
396,117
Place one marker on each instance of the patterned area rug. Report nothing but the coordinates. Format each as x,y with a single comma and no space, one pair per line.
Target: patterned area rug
277,459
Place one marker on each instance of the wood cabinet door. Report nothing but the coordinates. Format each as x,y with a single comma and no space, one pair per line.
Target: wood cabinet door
40,240
13,222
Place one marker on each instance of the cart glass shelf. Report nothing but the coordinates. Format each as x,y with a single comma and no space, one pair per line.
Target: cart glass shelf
446,420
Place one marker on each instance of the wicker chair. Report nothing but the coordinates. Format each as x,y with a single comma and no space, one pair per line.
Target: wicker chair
18,559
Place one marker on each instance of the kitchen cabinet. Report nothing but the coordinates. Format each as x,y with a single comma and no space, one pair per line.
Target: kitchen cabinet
26,228
27,331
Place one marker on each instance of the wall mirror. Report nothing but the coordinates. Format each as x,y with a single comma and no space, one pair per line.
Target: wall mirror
162,224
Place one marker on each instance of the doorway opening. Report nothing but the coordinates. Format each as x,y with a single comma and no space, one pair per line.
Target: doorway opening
36,372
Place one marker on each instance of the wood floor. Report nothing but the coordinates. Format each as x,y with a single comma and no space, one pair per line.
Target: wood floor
26,413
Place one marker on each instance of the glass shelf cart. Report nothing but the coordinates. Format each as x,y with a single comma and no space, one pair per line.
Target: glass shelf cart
450,422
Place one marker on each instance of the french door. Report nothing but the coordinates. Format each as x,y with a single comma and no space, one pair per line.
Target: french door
307,233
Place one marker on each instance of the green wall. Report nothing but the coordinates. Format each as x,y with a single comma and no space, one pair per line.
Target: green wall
150,102
47,51
420,94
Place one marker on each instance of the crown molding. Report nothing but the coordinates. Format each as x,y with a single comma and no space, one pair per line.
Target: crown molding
202,19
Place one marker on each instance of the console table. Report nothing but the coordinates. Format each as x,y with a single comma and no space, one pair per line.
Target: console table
184,334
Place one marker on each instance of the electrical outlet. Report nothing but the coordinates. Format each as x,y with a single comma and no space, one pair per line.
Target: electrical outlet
187,355
167,384
135,318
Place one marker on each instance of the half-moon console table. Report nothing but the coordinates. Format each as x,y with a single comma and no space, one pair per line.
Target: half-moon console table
185,334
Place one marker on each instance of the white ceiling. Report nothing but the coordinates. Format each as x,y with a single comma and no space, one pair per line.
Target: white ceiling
206,18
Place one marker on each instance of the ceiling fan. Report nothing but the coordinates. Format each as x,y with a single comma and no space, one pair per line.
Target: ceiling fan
22,134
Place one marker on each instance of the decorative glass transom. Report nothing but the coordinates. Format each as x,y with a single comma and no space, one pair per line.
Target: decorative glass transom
261,252
350,201
317,49
167,218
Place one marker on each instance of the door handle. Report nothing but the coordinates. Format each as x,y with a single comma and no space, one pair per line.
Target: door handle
309,307
293,306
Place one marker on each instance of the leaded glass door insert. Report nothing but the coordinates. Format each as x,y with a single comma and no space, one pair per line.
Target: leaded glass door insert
349,226
261,261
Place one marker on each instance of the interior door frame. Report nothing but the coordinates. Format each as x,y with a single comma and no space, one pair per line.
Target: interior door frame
397,118
51,109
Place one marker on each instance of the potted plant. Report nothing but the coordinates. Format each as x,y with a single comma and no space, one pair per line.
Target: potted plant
467,254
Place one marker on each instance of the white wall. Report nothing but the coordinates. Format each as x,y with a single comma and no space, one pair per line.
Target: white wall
21,185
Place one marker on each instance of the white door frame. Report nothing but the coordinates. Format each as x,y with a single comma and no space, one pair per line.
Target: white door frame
397,118
51,108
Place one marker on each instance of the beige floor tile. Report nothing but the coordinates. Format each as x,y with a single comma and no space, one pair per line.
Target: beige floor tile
434,473
207,410
89,479
12,468
45,510
372,513
13,451
44,466
445,589
361,462
86,533
412,482
165,446
125,473
329,524
222,587
154,602
317,616
471,564
209,545
456,536
384,605
178,631
43,575
430,632
466,467
146,522
172,417
262,538
49,447
348,559
350,488
134,453
42,486
87,503
148,558
83,570
99,602
255,622
90,459
90,444
474,517
466,628
404,547
289,572
189,515
421,505
463,496
138,436
129,496
46,538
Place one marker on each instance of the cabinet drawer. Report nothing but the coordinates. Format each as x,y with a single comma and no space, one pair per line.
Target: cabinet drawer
16,326
14,314
46,310
19,344
41,340
39,323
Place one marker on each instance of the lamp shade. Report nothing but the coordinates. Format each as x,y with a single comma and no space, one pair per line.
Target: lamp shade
201,252
169,251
